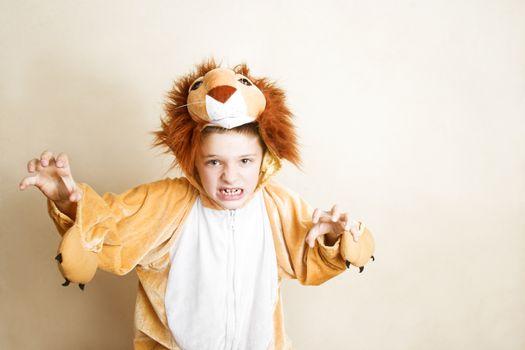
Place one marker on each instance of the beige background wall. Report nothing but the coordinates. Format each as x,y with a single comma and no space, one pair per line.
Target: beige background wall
411,115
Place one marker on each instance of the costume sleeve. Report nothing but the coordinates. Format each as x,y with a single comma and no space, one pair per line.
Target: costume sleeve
118,232
291,217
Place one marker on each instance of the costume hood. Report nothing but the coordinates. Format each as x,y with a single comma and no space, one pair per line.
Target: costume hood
211,95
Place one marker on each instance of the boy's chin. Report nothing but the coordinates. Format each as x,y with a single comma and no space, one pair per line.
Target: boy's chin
231,204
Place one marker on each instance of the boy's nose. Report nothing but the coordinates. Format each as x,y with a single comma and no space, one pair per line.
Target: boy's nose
229,175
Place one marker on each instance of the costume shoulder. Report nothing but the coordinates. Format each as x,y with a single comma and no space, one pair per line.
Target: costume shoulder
279,191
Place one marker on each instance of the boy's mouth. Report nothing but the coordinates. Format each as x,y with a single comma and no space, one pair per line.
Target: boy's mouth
230,193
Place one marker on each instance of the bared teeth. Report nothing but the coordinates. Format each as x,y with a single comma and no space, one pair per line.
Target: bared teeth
232,191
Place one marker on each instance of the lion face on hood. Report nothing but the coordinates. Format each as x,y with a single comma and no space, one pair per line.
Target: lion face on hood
224,98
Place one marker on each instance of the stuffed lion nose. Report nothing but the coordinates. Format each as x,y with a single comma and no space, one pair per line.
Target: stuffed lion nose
222,93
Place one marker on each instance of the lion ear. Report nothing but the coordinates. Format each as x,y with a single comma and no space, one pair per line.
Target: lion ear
275,123
243,69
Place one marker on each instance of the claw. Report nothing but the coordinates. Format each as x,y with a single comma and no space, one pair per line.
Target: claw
347,264
59,258
373,258
66,283
81,286
361,269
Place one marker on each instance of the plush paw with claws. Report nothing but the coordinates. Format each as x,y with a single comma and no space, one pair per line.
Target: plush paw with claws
353,252
76,264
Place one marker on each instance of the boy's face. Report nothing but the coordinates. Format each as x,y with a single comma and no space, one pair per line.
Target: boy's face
228,165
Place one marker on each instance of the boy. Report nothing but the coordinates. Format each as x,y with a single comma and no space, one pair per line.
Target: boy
210,249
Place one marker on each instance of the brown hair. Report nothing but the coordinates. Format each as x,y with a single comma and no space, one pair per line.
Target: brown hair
251,129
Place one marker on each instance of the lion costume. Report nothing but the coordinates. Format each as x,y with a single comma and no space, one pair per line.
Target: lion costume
209,277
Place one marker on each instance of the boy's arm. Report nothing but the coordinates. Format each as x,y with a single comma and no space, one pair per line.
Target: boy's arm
117,232
112,232
310,265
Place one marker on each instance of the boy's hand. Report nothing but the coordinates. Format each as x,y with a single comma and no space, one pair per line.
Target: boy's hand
52,176
332,223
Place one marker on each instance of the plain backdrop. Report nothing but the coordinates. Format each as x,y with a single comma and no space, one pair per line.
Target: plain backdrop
411,116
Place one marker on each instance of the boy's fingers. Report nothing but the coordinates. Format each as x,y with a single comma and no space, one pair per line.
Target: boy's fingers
31,165
62,160
28,181
312,235
335,213
314,232
75,196
345,221
70,184
318,230
354,230
45,157
316,215
335,227
309,240
321,216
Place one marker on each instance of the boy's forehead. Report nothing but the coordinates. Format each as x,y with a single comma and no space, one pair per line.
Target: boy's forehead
230,143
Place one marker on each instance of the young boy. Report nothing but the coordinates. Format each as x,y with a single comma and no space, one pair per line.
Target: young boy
211,248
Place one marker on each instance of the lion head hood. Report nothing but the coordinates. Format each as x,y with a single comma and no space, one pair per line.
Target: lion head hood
211,95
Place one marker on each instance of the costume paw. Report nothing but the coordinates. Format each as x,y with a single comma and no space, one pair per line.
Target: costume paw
361,268
67,282
357,253
76,264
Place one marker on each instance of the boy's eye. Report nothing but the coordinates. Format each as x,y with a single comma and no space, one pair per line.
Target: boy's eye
196,85
245,81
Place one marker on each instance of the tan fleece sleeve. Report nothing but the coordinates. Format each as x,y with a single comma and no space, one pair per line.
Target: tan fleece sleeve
117,232
61,220
311,266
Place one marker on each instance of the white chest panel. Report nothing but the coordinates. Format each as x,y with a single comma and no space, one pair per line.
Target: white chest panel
222,284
